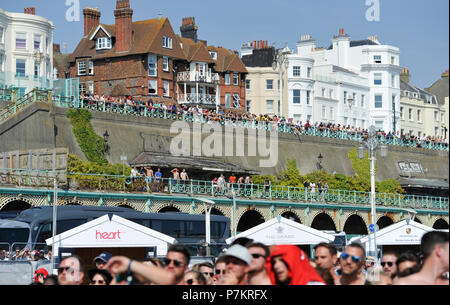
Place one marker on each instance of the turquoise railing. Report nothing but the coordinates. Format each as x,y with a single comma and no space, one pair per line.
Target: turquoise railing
113,183
15,107
141,110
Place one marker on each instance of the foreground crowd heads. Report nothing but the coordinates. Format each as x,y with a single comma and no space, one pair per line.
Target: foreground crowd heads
251,263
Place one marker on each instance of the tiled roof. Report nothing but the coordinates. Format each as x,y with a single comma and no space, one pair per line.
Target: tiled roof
195,51
227,60
147,38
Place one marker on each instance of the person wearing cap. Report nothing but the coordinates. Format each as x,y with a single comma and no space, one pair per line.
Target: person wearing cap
370,263
101,260
99,277
237,259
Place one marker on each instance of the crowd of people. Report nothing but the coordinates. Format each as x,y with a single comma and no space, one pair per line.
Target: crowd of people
247,262
25,254
246,119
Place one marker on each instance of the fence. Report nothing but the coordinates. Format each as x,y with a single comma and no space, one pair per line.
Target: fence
88,182
21,272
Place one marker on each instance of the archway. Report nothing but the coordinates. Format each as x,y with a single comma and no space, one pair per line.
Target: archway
249,220
169,209
291,216
323,222
355,225
215,211
125,206
384,222
16,205
417,220
440,224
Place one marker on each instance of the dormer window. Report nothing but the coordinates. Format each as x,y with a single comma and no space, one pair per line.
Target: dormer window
213,55
103,43
167,42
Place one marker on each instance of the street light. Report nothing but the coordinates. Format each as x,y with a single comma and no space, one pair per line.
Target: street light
38,59
208,205
106,137
279,60
233,196
371,144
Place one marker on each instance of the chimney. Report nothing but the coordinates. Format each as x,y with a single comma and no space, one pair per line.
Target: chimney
189,29
91,19
124,31
404,75
30,10
56,48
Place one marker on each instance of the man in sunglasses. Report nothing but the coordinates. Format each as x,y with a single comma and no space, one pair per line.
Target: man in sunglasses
258,273
220,270
352,264
177,262
207,269
237,260
70,271
388,262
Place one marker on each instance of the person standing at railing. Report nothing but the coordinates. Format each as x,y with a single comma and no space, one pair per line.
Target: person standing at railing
312,185
221,183
184,176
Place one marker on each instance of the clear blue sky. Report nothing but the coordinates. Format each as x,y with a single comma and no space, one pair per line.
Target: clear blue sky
419,28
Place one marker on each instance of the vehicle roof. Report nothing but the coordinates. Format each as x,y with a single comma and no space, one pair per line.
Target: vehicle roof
40,214
7,223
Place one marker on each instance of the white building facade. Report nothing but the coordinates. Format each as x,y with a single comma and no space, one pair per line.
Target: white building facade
26,51
354,83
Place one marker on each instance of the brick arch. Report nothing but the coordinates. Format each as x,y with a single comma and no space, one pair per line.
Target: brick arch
12,199
238,217
238,223
314,215
364,229
215,207
344,220
291,211
442,220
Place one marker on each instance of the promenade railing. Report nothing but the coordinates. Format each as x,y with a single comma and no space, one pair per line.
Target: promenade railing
111,183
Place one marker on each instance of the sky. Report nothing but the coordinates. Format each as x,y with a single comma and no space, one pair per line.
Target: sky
419,28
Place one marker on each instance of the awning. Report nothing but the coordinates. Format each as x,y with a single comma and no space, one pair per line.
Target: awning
282,231
405,232
423,183
112,231
204,164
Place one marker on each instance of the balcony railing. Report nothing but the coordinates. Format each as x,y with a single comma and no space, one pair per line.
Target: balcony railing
196,76
194,98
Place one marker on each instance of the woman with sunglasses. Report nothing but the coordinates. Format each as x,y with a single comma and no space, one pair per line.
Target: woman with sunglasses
99,277
194,278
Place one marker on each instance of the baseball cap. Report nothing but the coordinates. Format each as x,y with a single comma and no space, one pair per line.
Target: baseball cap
105,257
370,259
239,252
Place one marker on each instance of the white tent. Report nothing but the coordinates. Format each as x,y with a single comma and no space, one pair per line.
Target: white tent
405,232
111,231
282,231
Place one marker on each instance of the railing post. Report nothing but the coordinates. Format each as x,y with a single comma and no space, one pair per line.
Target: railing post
170,185
289,193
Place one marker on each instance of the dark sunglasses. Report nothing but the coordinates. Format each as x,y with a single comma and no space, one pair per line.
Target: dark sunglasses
220,271
40,274
211,274
67,269
355,259
189,282
256,255
390,264
98,282
176,263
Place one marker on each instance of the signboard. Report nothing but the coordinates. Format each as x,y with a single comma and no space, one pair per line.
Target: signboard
284,231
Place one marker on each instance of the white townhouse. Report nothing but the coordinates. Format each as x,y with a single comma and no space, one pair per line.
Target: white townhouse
354,83
26,50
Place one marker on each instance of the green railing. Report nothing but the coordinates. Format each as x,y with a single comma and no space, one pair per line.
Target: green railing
15,107
112,183
141,110
89,182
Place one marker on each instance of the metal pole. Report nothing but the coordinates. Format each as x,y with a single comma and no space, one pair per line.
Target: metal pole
234,214
281,85
55,203
208,228
372,196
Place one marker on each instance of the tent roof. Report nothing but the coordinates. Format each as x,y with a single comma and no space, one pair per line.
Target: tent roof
284,231
405,232
90,234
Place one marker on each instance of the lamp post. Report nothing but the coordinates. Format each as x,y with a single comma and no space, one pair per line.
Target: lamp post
106,137
371,144
320,158
278,62
55,203
233,197
208,205
38,59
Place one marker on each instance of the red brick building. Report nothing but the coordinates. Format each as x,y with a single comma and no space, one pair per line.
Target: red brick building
146,58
